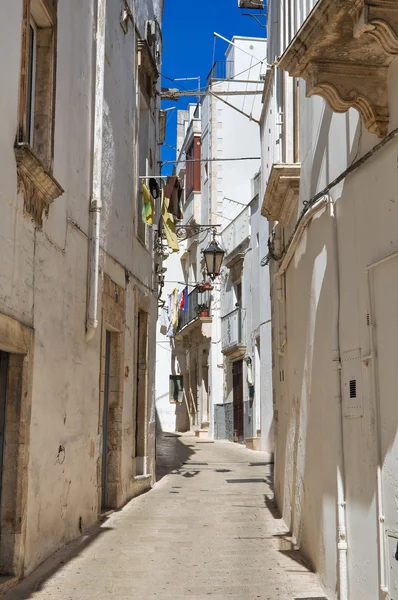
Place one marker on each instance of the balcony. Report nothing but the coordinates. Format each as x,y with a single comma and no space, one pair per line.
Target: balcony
237,232
282,193
221,69
232,334
191,319
343,51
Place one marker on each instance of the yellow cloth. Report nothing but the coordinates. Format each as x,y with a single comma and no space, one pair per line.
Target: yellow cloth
174,309
169,225
147,205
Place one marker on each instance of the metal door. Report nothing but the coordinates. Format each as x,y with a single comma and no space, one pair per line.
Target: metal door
3,393
237,394
105,422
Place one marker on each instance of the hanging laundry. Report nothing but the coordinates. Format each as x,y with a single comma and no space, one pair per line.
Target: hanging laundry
186,303
173,313
170,331
169,225
184,300
174,309
147,205
164,321
173,192
154,188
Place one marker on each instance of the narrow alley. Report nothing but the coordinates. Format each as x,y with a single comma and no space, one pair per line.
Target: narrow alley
209,528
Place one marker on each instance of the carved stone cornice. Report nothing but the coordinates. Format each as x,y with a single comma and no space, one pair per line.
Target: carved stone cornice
343,51
281,193
235,351
38,186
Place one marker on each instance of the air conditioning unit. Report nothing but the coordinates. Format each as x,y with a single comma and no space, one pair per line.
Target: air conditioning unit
251,4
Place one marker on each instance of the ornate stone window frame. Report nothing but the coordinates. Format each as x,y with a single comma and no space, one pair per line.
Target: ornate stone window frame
343,51
34,156
282,192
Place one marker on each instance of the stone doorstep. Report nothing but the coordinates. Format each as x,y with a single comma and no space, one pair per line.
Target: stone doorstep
253,443
141,484
202,433
7,582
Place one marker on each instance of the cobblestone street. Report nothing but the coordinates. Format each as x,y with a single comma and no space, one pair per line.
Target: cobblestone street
208,529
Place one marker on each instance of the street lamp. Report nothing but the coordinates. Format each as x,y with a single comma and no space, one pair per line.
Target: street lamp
214,255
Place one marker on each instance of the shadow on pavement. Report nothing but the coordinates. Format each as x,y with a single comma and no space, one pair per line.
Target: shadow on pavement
171,453
35,581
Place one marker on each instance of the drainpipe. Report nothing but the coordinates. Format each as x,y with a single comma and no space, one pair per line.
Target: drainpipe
96,186
342,545
375,390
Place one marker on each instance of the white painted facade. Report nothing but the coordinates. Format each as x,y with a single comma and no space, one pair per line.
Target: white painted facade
334,326
228,197
44,281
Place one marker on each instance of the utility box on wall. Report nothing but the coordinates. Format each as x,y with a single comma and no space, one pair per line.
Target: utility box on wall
352,384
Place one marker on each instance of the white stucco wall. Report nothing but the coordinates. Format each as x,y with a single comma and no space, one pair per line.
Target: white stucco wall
168,414
43,275
307,410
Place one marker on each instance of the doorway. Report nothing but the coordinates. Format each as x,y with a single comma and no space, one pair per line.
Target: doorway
257,386
237,397
105,424
141,404
4,358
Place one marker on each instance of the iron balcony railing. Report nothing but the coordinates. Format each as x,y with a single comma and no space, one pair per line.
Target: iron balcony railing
195,299
231,329
221,69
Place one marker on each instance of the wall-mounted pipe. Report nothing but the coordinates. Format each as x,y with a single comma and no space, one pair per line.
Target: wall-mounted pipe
375,390
342,546
96,186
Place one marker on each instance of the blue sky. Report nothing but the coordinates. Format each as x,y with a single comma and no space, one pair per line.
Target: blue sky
188,46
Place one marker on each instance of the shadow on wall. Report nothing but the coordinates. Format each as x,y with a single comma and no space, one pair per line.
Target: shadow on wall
308,445
181,420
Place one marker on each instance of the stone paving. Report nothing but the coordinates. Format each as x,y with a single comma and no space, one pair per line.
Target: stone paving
208,529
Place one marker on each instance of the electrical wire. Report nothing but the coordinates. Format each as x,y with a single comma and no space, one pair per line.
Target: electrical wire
353,167
193,160
204,88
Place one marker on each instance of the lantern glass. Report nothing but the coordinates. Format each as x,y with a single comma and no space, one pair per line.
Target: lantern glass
214,255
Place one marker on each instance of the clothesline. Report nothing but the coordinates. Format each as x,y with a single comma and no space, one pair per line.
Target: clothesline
170,194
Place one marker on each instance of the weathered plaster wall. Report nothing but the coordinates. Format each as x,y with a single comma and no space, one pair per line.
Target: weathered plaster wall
43,276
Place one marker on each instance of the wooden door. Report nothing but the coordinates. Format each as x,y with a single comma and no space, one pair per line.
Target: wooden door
237,391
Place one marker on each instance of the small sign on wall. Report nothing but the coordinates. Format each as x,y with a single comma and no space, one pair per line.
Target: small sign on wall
352,384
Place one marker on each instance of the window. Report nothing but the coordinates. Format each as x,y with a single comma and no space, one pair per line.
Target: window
30,101
296,120
238,295
176,389
37,95
34,148
144,163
